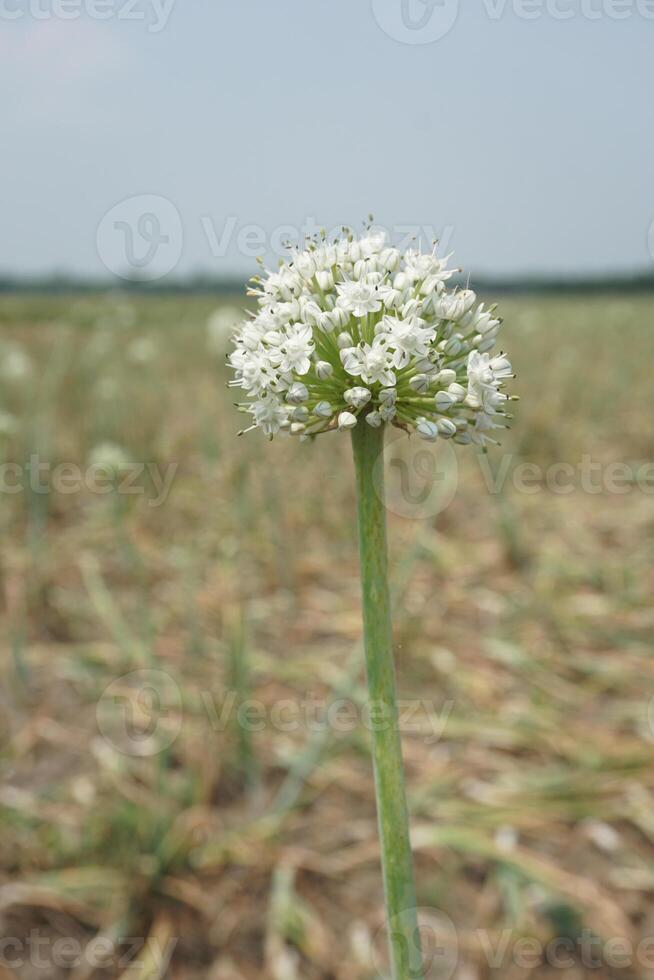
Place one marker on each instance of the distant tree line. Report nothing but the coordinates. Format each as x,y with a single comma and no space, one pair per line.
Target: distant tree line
641,282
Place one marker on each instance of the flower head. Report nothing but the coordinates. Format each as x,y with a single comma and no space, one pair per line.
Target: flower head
355,330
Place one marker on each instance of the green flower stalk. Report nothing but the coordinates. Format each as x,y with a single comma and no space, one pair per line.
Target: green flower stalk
392,814
354,335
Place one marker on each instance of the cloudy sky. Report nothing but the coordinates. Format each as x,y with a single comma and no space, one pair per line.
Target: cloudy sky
169,136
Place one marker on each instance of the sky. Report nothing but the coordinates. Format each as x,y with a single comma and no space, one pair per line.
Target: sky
165,137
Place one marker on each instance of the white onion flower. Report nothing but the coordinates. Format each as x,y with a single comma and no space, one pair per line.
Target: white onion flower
354,329
354,335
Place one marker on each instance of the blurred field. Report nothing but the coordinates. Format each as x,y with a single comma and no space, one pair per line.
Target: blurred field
524,627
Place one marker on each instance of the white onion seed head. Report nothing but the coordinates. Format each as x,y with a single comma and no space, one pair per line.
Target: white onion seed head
355,329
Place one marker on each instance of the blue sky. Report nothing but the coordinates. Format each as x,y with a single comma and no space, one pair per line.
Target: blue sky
523,136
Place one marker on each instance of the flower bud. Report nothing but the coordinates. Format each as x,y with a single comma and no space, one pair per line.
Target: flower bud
444,400
349,360
457,391
339,316
297,393
290,310
346,420
312,314
323,410
487,324
412,308
374,419
305,265
426,429
446,377
486,344
297,428
389,296
390,259
387,396
344,340
324,370
419,382
490,329
325,279
357,397
362,267
325,322
300,414
447,428
388,412
453,347
453,306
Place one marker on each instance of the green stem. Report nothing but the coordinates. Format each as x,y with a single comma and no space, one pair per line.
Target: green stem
397,863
